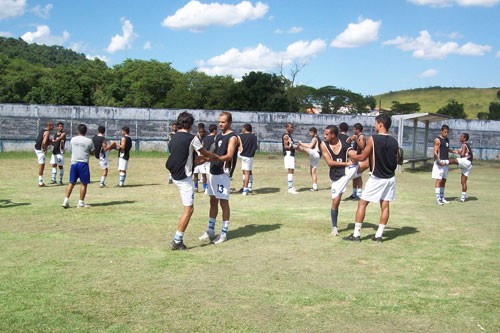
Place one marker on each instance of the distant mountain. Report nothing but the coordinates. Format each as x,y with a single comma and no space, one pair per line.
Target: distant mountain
431,99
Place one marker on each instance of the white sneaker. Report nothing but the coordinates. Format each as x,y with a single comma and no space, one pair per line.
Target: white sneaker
335,231
83,206
443,200
65,205
292,191
462,199
207,236
220,239
245,192
439,202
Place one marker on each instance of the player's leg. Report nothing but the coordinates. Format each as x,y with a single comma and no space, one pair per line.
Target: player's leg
53,164
464,188
185,187
334,214
226,214
84,174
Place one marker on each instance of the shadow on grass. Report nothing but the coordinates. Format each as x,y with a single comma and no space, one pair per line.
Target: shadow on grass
266,190
7,203
252,229
112,203
389,232
139,185
420,169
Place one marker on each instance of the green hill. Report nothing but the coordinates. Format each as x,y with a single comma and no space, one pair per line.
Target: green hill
431,99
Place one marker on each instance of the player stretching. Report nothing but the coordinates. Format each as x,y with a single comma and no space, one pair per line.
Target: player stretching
464,162
312,149
101,152
289,152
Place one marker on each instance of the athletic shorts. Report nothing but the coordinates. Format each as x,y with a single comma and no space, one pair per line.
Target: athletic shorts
339,186
200,168
465,165
313,158
57,159
40,155
185,187
219,186
379,189
103,160
439,171
289,161
246,163
79,170
122,164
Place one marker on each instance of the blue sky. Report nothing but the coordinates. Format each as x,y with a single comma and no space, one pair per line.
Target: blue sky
366,46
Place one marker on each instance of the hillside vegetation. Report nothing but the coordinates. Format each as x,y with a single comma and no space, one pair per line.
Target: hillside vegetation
431,99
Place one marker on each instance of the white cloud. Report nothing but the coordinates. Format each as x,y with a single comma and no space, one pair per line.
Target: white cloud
43,12
147,45
122,42
292,30
428,73
358,34
449,3
426,48
12,8
42,36
498,54
260,58
5,34
94,57
197,16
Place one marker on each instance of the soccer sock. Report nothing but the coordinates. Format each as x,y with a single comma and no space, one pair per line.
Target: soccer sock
123,175
81,203
464,195
40,180
103,179
66,199
196,186
315,186
357,229
61,174
441,192
243,182
211,225
290,180
438,193
354,191
250,183
204,186
225,226
380,230
334,214
178,236
358,192
54,174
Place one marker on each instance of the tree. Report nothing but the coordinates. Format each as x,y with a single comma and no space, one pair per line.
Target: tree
494,111
453,109
404,108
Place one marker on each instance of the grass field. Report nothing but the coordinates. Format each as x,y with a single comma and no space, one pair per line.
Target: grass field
108,268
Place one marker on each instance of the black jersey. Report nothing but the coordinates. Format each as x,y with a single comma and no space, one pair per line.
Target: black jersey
343,137
39,139
385,155
444,146
249,143
125,153
317,146
180,163
468,154
59,145
221,146
338,171
98,141
290,144
208,143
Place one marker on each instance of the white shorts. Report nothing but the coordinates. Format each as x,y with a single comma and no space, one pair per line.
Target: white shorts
104,161
465,165
439,171
339,186
40,155
57,159
200,168
219,186
289,161
185,187
379,189
313,158
246,163
122,164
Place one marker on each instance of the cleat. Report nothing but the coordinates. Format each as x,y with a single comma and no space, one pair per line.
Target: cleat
377,239
352,238
220,239
53,181
83,206
60,183
65,205
41,185
462,199
351,197
241,190
313,190
101,185
292,190
207,236
245,192
439,202
177,246
335,231
443,200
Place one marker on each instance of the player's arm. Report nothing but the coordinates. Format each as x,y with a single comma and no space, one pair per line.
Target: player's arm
46,142
309,145
365,153
361,141
240,145
122,143
462,152
286,142
436,149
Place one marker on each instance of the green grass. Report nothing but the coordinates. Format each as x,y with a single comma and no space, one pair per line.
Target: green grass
108,268
475,100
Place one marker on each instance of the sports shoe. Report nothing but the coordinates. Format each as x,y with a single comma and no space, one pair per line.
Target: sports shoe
101,185
292,190
53,181
241,190
220,239
41,185
377,239
313,189
439,202
351,197
352,238
245,192
177,246
60,183
170,181
443,200
462,199
207,236
65,205
335,231
83,206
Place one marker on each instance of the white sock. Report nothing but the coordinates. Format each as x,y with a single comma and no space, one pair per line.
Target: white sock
123,175
40,180
438,193
66,200
441,192
290,180
380,230
54,174
81,203
225,226
61,174
211,225
315,186
358,192
357,229
178,236
103,179
464,195
250,182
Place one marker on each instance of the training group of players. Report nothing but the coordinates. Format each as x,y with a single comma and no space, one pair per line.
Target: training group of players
213,155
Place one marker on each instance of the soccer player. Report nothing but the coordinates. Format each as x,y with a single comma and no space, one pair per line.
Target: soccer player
208,144
358,143
335,153
57,158
312,149
247,147
440,171
41,145
464,162
124,154
200,168
81,149
289,147
101,153
169,139
219,179
180,163
343,128
381,185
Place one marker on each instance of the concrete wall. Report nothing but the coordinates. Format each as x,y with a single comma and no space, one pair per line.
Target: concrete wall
19,125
